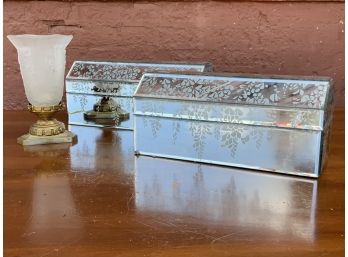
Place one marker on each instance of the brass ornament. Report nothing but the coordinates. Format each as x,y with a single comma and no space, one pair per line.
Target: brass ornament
46,125
46,130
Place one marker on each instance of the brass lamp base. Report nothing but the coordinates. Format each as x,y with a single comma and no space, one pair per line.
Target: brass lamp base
65,137
107,112
46,130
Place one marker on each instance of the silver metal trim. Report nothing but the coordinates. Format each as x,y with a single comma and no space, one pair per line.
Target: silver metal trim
99,126
206,65
227,164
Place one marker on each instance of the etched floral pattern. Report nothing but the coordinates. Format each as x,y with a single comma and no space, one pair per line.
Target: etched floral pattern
299,119
232,115
77,87
253,93
153,122
199,133
234,90
124,71
230,135
82,100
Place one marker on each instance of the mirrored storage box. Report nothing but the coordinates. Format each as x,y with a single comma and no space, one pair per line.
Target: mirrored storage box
270,123
100,93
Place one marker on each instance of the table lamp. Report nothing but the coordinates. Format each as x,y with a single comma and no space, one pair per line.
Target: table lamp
42,65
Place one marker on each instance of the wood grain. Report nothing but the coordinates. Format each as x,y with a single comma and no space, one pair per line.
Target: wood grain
88,200
153,1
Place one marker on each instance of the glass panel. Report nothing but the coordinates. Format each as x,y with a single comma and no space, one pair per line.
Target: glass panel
290,151
233,89
79,104
230,113
102,88
127,71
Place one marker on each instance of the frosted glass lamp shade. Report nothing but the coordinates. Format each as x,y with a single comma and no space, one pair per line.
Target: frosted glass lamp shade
42,64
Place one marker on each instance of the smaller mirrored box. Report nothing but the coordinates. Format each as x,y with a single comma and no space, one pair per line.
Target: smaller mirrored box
270,123
99,93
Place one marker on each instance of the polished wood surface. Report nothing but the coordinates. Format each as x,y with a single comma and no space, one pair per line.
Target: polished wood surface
96,199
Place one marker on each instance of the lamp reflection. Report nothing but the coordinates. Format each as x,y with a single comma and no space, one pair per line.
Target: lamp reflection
55,218
227,196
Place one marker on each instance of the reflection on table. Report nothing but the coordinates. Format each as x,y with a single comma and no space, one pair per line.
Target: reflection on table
227,196
101,149
54,211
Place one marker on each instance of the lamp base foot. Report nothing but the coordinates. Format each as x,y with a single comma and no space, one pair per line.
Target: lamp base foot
65,137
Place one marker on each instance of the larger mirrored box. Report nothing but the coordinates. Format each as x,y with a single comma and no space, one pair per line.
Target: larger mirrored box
99,93
270,123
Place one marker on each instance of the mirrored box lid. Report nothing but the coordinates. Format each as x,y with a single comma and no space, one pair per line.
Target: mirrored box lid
270,123
88,82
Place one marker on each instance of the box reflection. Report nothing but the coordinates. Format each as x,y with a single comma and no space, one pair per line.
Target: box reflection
78,104
227,196
102,149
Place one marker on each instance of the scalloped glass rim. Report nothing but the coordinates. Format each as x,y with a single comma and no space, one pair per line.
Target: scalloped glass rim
40,36
15,39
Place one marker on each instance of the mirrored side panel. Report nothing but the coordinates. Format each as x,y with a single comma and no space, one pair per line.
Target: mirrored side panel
290,151
79,104
101,87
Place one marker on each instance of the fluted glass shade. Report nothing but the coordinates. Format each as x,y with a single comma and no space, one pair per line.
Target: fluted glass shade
42,64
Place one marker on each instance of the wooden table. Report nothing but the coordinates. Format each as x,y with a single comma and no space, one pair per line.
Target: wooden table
96,199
